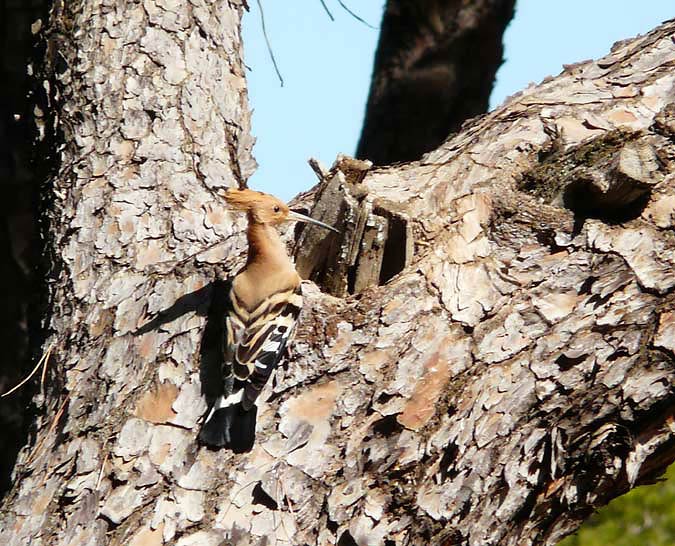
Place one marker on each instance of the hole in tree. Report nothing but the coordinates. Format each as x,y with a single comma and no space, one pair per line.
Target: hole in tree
622,203
351,279
393,259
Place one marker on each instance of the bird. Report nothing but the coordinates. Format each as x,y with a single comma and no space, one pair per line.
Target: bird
263,304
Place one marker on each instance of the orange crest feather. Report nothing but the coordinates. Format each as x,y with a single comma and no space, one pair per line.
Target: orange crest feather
264,208
244,199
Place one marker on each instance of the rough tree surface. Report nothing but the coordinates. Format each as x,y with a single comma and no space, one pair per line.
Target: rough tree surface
495,357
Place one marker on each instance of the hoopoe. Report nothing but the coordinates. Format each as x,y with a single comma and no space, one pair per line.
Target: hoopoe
264,302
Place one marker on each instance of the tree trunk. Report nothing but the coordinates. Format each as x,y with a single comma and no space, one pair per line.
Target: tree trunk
435,66
496,357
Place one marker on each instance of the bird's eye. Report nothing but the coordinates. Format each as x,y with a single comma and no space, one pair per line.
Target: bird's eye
276,208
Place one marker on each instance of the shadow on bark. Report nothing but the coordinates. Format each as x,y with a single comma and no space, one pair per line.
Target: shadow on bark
209,301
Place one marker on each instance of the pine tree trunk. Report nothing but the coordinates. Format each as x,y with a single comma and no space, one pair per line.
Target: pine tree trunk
492,354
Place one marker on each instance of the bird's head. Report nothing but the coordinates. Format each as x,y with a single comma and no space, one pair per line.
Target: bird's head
263,208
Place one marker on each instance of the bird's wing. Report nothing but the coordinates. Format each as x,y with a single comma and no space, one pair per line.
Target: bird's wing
256,340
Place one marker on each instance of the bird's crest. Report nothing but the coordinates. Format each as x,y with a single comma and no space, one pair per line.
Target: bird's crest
264,208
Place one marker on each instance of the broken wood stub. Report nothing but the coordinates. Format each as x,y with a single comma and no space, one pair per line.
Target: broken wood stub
375,241
606,178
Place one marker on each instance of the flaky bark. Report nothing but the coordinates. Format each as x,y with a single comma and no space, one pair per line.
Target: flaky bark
514,372
152,110
435,66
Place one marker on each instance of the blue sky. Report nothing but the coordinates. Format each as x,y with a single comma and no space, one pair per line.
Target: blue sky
326,67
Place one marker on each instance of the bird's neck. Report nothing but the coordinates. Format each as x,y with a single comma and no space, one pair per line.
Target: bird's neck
266,250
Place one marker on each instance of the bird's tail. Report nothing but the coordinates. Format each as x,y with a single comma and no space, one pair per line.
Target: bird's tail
229,425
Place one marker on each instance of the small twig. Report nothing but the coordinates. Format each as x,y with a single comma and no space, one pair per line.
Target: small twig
55,421
354,15
44,367
288,503
325,7
274,515
42,361
319,170
105,460
267,41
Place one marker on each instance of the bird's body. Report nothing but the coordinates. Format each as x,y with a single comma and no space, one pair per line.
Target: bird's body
264,302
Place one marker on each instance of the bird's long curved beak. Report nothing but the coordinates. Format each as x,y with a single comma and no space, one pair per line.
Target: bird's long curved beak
302,218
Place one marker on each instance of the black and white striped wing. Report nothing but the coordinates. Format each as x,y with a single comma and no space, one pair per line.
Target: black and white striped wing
257,340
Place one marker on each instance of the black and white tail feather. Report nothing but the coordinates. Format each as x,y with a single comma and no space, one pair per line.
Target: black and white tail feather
255,342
